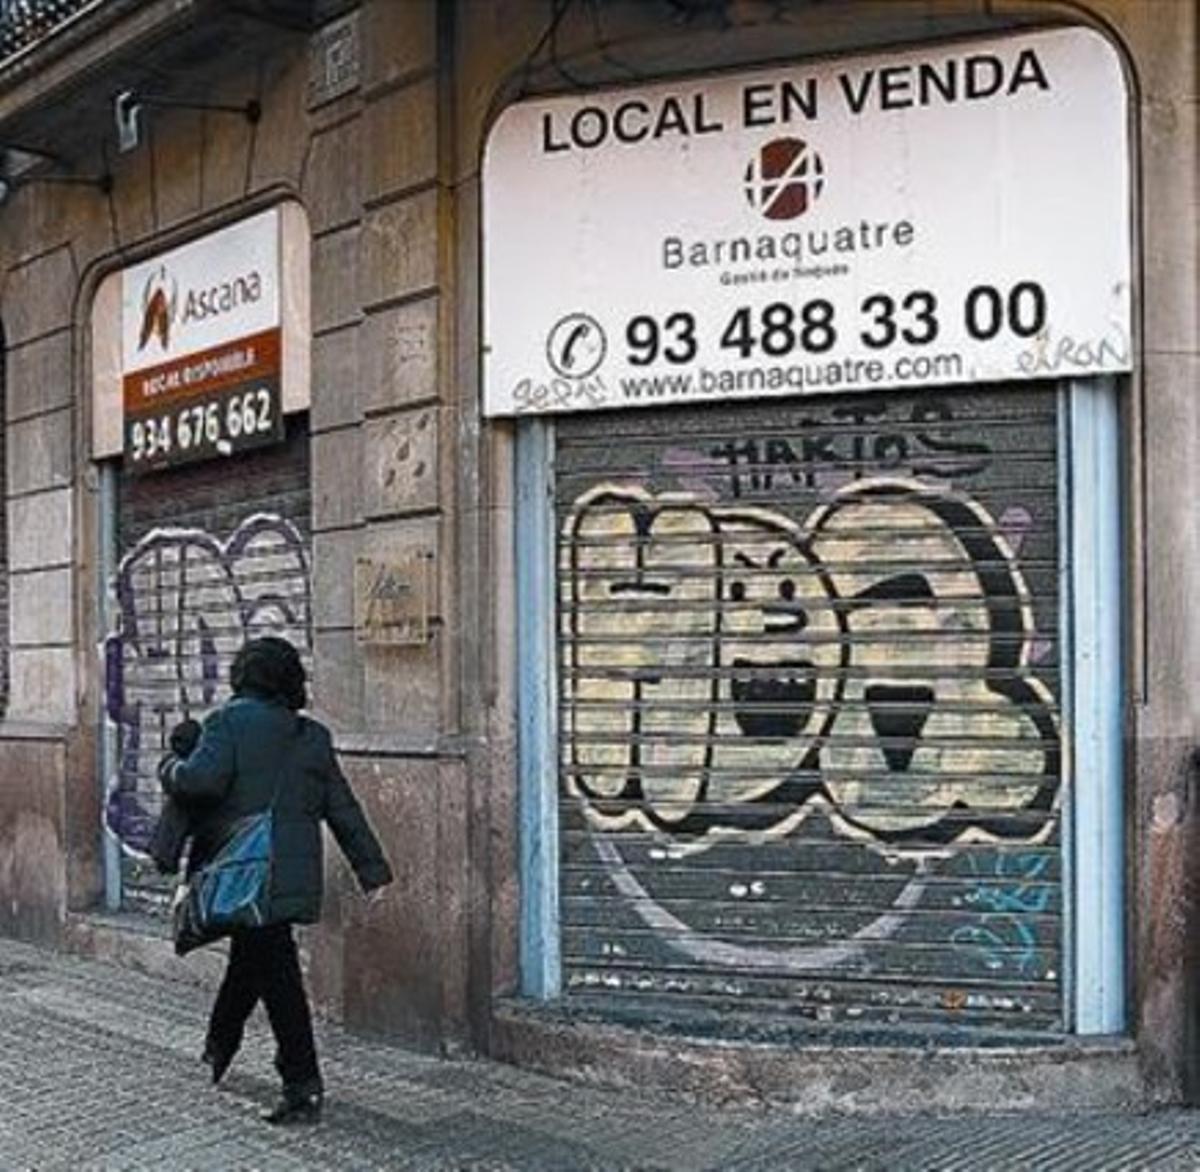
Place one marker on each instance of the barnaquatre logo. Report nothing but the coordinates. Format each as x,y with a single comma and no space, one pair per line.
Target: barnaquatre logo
784,178
160,296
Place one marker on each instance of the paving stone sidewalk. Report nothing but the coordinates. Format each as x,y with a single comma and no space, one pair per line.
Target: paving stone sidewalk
98,1070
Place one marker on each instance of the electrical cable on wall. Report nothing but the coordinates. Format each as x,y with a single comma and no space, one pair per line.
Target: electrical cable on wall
602,43
549,34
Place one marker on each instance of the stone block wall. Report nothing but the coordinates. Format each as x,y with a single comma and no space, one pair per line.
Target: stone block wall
350,127
374,195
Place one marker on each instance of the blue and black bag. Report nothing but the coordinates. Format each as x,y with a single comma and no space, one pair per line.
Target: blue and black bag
232,890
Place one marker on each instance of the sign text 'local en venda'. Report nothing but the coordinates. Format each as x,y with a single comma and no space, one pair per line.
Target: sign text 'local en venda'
953,214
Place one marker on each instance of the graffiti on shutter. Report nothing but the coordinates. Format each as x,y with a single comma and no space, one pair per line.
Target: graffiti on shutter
809,708
209,556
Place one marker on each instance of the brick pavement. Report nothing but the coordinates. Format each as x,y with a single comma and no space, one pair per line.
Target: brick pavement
98,1070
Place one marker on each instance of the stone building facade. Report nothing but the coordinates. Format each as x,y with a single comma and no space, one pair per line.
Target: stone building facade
520,926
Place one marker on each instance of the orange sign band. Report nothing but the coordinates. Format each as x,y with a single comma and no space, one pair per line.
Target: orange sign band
253,357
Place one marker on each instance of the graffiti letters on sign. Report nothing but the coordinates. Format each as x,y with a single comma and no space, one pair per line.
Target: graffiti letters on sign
1050,354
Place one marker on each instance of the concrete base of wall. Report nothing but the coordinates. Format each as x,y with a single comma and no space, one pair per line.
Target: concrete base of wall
811,1077
140,942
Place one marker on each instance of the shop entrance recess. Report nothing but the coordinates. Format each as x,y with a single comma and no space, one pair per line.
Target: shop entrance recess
821,709
201,558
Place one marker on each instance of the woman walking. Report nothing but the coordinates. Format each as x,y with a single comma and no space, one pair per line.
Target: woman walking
255,752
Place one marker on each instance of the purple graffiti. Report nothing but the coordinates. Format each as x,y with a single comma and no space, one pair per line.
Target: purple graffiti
186,601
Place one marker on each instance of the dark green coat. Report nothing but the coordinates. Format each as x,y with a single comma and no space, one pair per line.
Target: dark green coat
249,747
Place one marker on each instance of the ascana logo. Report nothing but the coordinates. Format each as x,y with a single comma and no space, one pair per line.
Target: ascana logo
164,310
160,298
784,179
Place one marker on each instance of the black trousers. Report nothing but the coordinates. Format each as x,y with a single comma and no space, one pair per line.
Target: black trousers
263,964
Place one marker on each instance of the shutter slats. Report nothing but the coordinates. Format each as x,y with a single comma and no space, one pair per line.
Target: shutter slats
210,554
808,708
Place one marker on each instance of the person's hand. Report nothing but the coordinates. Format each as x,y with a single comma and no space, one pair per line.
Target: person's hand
185,736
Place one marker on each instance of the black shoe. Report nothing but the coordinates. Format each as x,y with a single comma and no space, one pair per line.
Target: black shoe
218,1062
298,1105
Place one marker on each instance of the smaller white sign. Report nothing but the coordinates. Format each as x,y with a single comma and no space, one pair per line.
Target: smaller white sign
201,295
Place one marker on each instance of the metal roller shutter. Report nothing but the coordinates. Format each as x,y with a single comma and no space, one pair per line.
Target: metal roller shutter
809,708
210,554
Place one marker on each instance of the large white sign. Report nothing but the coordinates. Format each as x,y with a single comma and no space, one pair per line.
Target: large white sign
952,214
